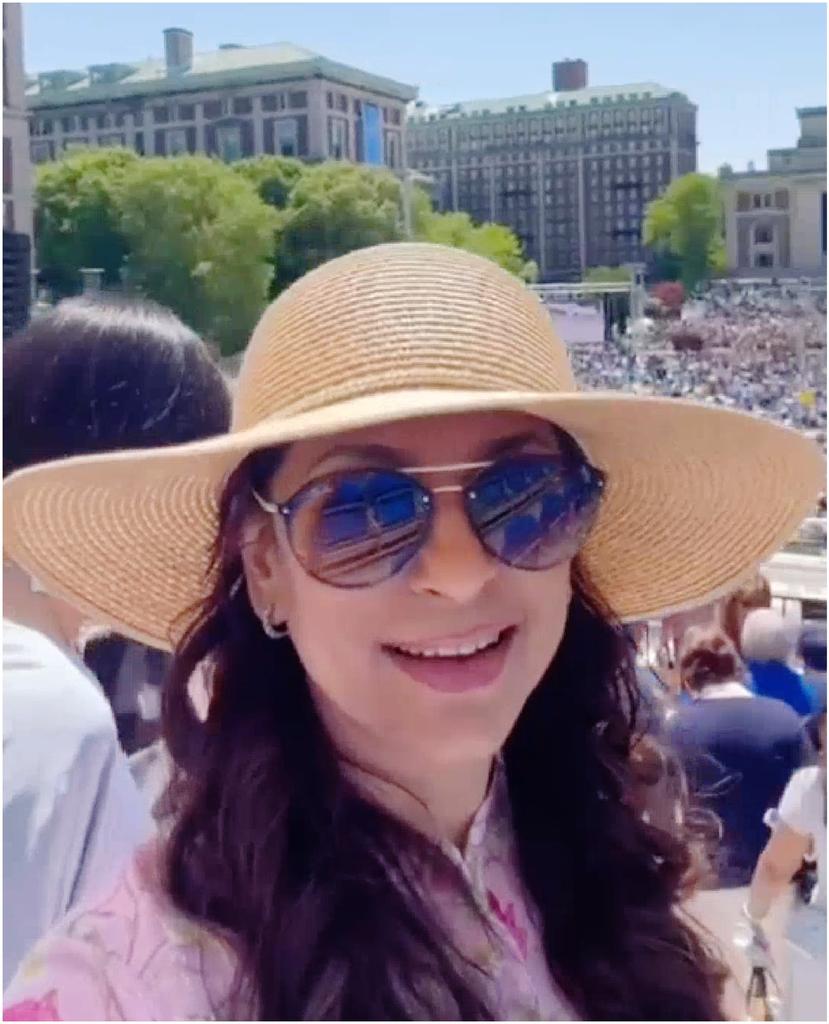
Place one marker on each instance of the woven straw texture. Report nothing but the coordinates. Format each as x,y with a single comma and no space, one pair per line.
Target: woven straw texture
696,496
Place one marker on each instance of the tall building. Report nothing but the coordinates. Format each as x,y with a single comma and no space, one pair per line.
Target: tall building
17,177
775,220
570,171
235,102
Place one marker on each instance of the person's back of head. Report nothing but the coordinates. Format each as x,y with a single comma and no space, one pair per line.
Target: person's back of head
99,375
706,657
767,637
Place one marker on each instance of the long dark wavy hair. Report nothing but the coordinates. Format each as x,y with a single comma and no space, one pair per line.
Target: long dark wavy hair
272,845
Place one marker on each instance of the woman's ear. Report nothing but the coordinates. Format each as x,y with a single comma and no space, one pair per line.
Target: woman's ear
263,568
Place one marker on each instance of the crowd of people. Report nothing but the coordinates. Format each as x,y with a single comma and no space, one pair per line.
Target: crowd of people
263,854
764,351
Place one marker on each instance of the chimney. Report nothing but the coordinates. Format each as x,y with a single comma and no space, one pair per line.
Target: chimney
569,75
178,50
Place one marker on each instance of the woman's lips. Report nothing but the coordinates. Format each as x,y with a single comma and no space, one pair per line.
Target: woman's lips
456,674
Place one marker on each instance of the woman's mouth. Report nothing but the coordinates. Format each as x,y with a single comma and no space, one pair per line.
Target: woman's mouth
454,666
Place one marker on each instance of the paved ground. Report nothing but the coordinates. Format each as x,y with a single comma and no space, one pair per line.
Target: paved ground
719,911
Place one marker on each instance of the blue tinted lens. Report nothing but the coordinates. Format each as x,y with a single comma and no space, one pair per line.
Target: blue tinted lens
357,529
533,512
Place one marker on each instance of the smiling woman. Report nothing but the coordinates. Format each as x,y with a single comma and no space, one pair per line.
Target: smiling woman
419,790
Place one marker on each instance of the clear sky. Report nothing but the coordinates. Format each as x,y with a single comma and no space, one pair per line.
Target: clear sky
746,65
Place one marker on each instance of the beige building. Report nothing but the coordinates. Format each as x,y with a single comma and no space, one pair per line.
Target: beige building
570,170
775,220
17,176
235,102
17,172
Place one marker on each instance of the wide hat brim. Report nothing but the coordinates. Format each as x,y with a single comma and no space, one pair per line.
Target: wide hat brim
697,496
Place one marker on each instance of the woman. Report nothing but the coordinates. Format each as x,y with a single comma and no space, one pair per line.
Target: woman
799,830
89,376
414,795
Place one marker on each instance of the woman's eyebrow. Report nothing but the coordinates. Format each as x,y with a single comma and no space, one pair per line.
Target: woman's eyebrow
400,457
375,452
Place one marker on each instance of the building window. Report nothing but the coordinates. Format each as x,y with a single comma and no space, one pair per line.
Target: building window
76,143
111,139
286,137
41,151
273,101
763,259
137,118
7,165
297,100
102,121
67,124
763,235
213,108
8,205
176,142
392,154
161,115
358,109
187,112
342,103
139,143
395,115
767,200
338,138
83,122
229,142
329,100
243,105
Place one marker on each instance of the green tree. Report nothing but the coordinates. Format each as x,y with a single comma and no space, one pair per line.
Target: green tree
272,176
200,242
333,209
607,275
76,217
687,222
493,241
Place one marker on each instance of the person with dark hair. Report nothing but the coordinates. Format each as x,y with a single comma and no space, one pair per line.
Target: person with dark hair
89,377
419,790
812,652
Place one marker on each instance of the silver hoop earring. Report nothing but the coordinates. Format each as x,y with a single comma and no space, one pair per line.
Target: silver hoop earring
273,632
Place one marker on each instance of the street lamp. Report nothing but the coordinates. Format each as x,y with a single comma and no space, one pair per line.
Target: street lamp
409,178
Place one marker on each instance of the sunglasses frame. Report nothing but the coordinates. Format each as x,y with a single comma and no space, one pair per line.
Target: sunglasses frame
285,509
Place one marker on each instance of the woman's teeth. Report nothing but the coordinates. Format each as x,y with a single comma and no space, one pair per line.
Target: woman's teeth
449,650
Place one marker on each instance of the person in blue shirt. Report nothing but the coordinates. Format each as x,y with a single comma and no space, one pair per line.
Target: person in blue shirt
768,646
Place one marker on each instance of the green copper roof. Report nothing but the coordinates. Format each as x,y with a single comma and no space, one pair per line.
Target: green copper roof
600,96
231,66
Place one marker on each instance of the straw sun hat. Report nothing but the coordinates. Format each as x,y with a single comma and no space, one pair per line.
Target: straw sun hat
696,496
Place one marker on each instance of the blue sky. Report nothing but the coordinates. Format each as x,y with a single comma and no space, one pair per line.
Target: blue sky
747,66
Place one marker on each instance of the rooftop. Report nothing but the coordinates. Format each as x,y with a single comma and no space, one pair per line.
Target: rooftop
228,66
591,96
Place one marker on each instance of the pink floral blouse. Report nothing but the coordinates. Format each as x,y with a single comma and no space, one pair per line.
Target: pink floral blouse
131,955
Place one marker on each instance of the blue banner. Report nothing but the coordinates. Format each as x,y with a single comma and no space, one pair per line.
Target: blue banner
372,135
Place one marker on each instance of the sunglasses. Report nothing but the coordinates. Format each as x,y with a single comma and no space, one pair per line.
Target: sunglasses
360,527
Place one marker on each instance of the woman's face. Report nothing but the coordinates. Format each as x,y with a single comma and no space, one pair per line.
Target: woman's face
353,643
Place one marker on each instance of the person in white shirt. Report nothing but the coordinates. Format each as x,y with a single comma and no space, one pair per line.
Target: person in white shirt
71,813
799,829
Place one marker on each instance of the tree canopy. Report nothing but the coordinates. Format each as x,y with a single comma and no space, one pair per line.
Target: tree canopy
607,275
687,222
200,240
76,217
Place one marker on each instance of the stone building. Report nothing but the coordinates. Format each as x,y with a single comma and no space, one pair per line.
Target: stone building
775,220
17,177
570,170
235,102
